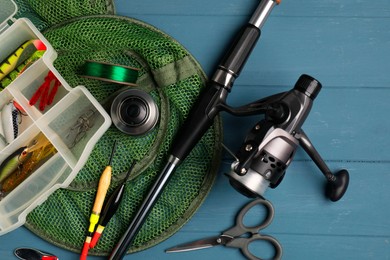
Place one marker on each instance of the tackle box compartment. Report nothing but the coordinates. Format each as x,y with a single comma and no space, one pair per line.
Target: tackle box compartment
54,122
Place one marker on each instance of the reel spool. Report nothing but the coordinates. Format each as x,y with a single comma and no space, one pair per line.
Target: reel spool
134,112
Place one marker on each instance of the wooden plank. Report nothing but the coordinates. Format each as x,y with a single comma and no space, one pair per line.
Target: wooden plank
298,8
306,223
335,50
344,124
301,207
345,45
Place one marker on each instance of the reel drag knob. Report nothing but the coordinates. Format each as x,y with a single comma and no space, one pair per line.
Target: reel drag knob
308,86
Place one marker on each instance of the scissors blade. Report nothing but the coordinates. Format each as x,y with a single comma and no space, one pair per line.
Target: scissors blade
195,245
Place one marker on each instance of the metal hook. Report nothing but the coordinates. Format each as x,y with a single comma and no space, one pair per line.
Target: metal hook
79,129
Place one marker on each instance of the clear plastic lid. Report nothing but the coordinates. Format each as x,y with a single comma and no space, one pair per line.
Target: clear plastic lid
7,11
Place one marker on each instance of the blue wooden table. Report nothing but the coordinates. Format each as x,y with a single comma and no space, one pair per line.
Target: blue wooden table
346,46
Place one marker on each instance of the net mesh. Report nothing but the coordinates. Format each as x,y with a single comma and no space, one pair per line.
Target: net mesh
44,13
174,79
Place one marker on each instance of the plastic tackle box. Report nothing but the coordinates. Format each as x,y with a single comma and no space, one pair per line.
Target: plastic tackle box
68,106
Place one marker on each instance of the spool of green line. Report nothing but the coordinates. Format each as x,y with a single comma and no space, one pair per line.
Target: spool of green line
109,72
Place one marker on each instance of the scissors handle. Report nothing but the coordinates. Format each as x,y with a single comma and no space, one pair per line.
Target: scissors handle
240,229
243,245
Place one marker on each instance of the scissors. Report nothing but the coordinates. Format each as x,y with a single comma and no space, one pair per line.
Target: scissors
232,236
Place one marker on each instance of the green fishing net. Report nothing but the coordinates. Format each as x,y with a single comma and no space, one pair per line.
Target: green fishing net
173,79
43,13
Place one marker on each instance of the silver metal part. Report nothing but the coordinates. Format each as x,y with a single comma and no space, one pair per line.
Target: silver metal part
252,180
224,77
134,112
281,145
278,144
173,161
273,143
261,13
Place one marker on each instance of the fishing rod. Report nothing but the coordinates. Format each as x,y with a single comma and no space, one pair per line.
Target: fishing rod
211,101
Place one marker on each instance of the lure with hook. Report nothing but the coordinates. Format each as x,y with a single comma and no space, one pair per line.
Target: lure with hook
11,118
3,142
17,158
38,149
13,162
37,155
39,141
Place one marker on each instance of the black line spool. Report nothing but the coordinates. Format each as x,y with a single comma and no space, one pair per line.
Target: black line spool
134,112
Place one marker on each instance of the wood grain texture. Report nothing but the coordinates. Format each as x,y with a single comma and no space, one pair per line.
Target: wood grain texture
346,46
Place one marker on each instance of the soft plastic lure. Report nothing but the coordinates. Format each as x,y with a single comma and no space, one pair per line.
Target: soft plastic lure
20,69
19,56
13,162
42,92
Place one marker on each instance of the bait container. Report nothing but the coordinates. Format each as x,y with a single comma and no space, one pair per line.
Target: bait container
69,104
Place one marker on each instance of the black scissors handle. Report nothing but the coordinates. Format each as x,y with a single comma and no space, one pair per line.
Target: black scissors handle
240,229
243,245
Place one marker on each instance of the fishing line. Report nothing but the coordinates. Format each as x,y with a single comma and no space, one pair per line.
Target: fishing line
109,72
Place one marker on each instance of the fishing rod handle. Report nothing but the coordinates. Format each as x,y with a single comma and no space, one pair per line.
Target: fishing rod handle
211,99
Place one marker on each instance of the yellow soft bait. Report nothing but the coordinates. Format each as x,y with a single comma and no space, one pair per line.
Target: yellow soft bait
20,69
19,56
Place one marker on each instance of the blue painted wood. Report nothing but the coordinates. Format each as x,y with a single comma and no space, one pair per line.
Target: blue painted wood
331,49
298,8
345,124
346,46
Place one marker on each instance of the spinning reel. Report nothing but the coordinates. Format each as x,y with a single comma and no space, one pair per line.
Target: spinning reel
271,144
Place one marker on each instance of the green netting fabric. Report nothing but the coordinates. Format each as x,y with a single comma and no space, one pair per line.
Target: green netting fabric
44,13
174,79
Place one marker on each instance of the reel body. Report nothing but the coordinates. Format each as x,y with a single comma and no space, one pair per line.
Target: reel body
264,164
270,146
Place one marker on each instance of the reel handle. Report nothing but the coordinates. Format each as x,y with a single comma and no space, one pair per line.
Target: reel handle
336,187
337,183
